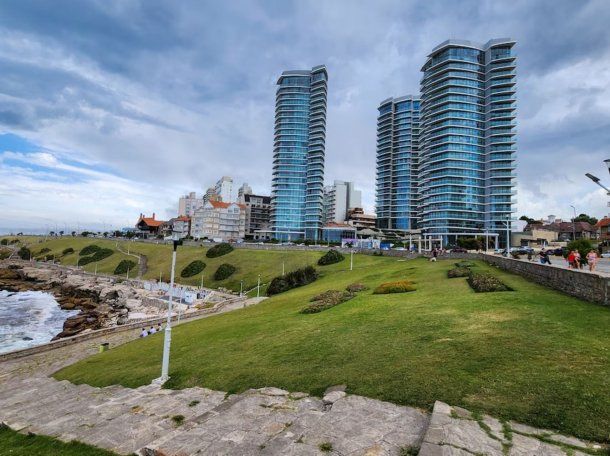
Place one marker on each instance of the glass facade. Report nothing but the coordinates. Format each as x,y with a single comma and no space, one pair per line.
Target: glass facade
397,163
467,140
298,154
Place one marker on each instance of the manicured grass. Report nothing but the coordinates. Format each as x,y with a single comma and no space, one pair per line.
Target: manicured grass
15,444
532,355
249,263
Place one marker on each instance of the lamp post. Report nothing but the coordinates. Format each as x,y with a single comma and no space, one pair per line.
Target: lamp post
168,327
573,223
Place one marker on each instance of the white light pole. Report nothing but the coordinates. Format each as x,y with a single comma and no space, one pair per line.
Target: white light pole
573,223
241,288
351,260
258,287
168,327
95,272
282,268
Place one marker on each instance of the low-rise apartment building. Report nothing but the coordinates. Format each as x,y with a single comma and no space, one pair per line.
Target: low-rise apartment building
258,214
219,221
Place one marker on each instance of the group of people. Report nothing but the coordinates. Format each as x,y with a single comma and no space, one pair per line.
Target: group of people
575,262
150,331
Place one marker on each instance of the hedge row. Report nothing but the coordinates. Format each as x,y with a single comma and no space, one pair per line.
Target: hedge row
224,271
331,257
482,282
219,250
99,255
193,268
293,279
124,266
89,250
401,286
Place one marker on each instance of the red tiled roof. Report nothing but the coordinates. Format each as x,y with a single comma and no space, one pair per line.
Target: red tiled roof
183,218
151,221
603,222
221,205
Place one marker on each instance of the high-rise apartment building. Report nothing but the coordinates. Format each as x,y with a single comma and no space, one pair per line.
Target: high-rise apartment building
298,154
187,204
397,163
467,141
339,198
224,189
210,195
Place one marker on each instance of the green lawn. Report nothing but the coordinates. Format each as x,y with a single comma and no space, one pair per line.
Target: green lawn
533,355
15,444
249,263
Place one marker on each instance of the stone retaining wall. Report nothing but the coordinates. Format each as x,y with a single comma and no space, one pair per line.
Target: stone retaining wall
581,284
137,325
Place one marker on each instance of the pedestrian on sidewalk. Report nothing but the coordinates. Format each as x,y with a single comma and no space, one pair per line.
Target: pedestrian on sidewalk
577,259
544,257
592,260
571,260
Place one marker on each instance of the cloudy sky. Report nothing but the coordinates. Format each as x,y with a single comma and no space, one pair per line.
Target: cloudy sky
112,108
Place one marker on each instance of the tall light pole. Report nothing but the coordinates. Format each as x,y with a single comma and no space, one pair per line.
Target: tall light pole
168,327
573,223
597,179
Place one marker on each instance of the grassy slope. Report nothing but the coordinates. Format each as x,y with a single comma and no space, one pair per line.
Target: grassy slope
533,355
249,263
17,444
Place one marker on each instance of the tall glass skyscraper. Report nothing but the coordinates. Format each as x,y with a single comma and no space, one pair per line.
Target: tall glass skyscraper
298,154
467,140
397,163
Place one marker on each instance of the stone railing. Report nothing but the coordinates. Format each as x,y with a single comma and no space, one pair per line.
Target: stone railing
581,284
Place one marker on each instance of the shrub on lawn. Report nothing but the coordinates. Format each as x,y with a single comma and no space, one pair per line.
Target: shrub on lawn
4,242
68,251
326,300
99,255
4,254
400,286
356,287
124,266
89,250
24,253
464,264
484,283
45,250
193,268
331,257
458,272
49,257
219,250
291,280
224,271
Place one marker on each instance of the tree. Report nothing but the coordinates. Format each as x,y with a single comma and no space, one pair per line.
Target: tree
61,233
117,234
73,233
583,246
105,234
586,218
529,220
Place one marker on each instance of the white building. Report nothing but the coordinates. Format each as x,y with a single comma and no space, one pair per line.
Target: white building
245,189
224,189
210,194
339,198
219,221
187,204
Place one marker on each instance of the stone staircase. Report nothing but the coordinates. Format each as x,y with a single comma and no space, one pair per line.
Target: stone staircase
151,421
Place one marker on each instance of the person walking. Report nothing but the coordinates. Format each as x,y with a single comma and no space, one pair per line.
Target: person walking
592,260
577,259
571,260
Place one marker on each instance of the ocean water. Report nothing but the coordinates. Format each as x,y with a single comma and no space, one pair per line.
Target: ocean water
29,318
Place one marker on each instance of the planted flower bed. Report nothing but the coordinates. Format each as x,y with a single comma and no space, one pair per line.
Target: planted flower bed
483,282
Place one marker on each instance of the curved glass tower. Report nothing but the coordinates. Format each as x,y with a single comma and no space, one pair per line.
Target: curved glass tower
298,154
467,142
397,163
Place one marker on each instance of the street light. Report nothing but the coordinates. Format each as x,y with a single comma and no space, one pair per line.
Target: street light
168,327
573,223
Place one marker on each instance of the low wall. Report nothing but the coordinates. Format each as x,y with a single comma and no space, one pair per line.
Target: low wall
133,326
581,284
